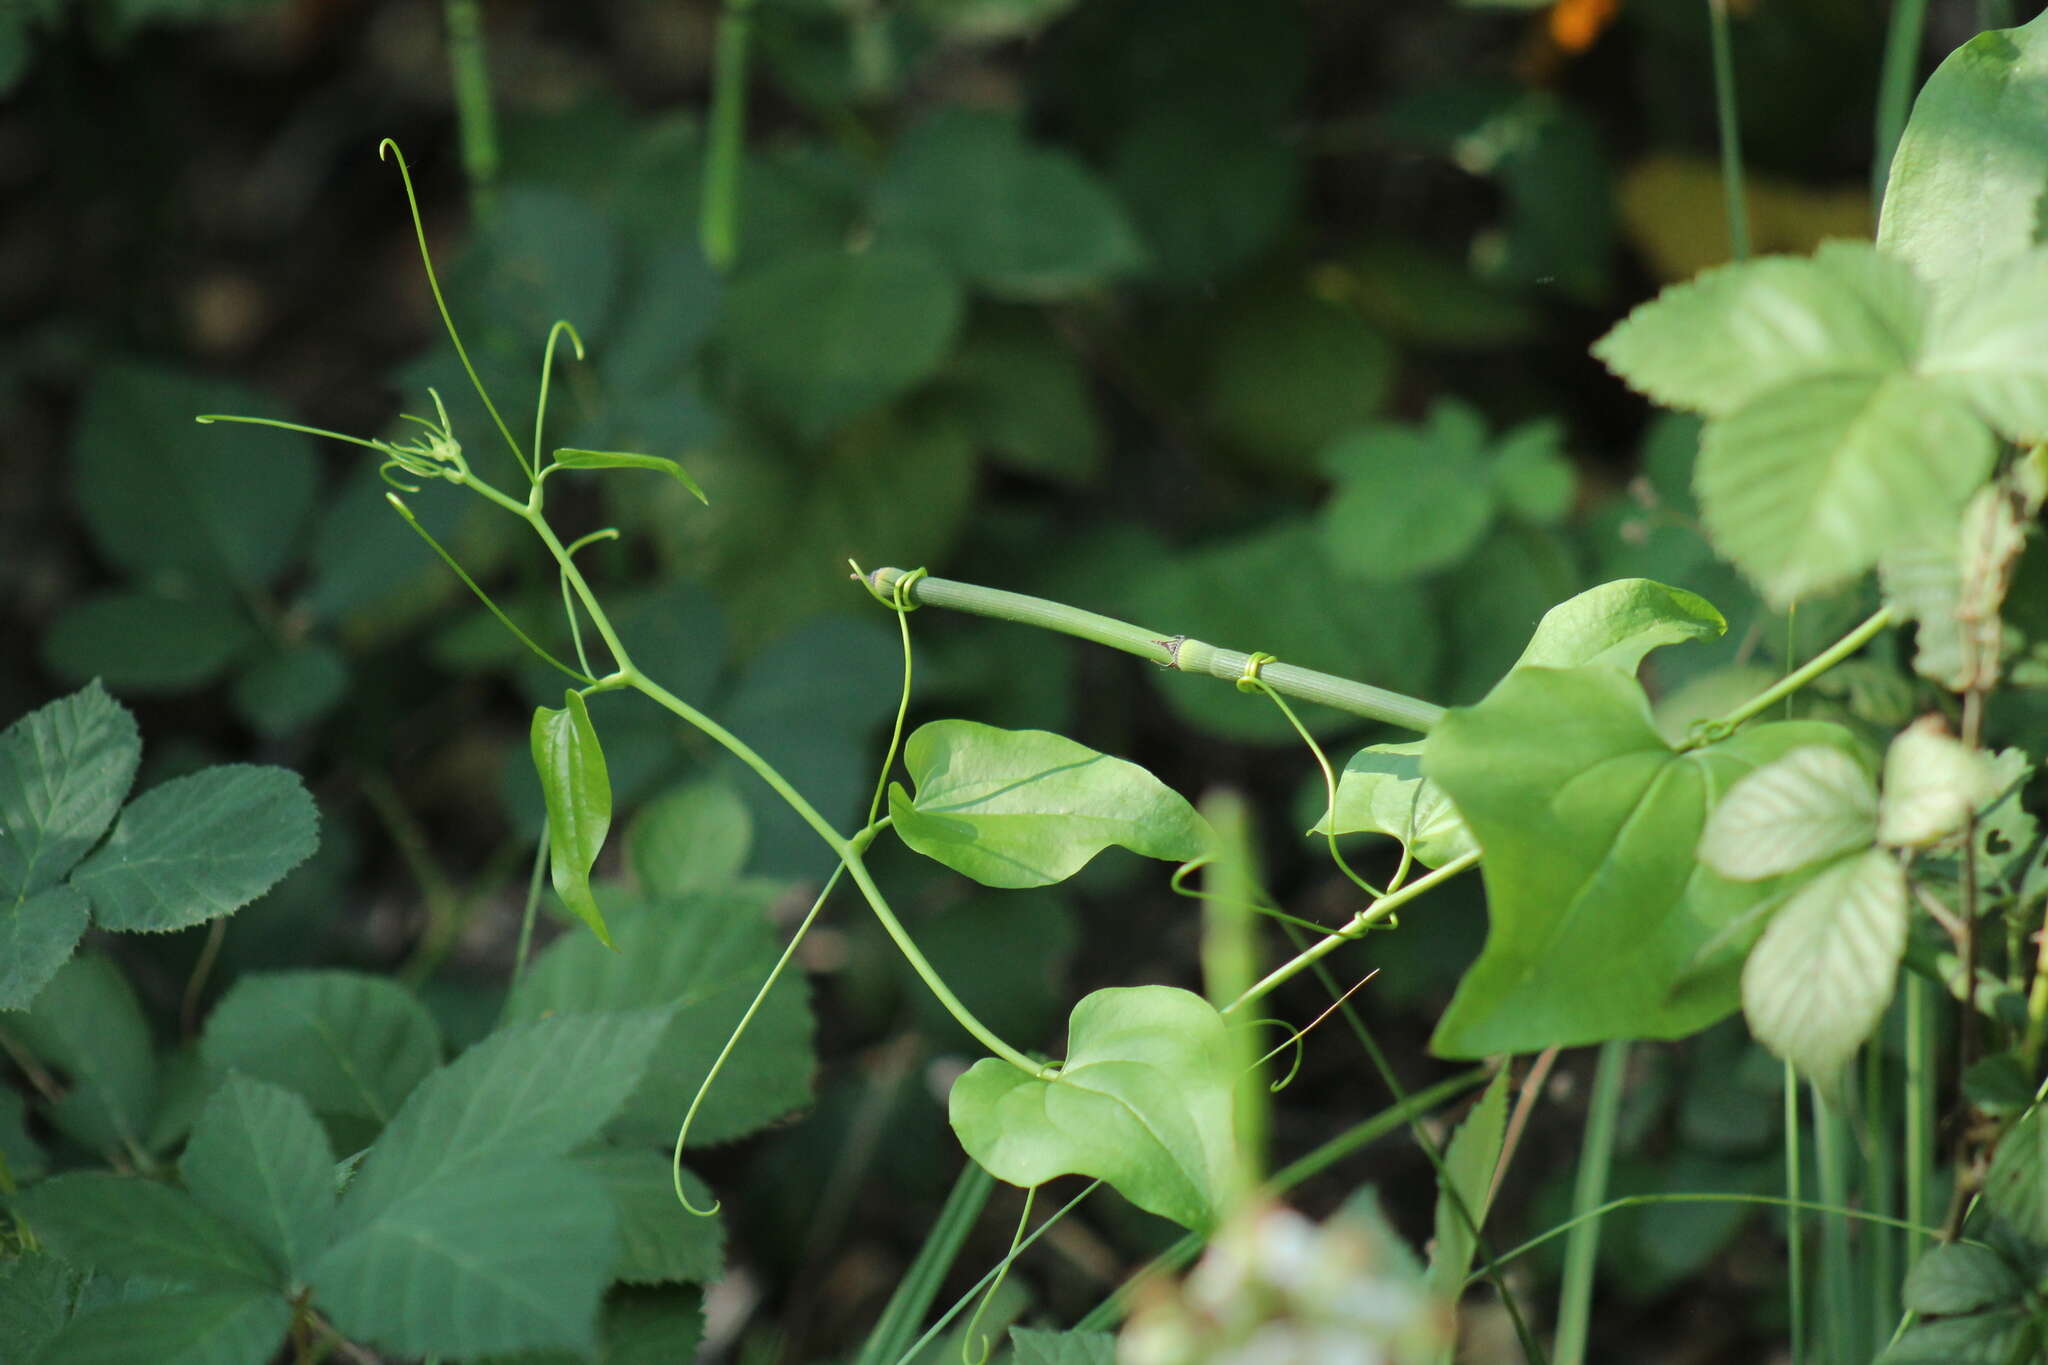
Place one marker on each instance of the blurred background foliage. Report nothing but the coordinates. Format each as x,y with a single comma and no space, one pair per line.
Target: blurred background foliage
1259,322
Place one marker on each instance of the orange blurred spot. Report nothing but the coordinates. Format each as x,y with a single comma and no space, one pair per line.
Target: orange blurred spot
1575,24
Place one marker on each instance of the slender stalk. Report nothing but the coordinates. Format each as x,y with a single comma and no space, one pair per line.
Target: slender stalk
531,912
1168,651
1798,678
1230,965
920,1284
473,113
1895,87
1844,1341
1795,1226
719,222
1372,914
1880,1195
1736,200
1918,1103
1582,1248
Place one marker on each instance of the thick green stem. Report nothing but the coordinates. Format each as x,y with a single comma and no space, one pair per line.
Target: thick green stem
1372,914
473,113
1582,1248
719,221
1168,651
1895,89
1230,965
1737,203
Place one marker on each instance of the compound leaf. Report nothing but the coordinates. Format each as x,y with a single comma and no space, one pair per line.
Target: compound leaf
2017,1188
1990,344
1015,808
198,847
259,1159
1143,1101
348,1043
122,1225
660,1241
64,770
37,936
1805,808
211,1327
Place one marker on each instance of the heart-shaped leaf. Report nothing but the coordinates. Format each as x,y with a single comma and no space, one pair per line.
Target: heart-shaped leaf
1617,623
578,790
1013,808
1382,791
1143,1102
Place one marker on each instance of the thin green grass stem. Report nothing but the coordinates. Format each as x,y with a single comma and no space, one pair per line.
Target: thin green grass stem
471,78
1582,1248
1880,1195
719,224
1727,118
1896,86
1918,1104
1840,1335
894,1330
1795,1224
1002,1267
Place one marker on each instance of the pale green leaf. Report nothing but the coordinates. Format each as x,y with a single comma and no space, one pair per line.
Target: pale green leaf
144,642
259,1159
348,1043
1382,791
123,1225
1030,1346
1967,182
1615,624
702,957
1933,784
1736,333
1805,487
64,770
88,1024
1019,220
1015,808
578,790
828,335
1534,479
618,459
1409,500
37,936
199,847
1959,1278
509,1253
215,1327
2017,1188
1598,908
694,837
1142,1101
1990,345
1923,583
1812,805
660,1241
1817,982
1470,1161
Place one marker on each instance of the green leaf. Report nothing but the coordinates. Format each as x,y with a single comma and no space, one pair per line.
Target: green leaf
1933,784
1142,1101
464,1231
2017,1188
1470,1162
260,1160
64,770
1531,475
510,1254
617,459
701,957
87,1024
1738,332
1024,397
348,1043
37,936
1382,791
1589,821
1981,1339
1805,487
660,1241
37,1293
1209,188
214,1327
288,689
1029,1346
828,335
198,847
579,796
1960,1278
1015,808
1817,982
1020,221
164,495
1812,805
1987,345
1289,373
122,1225
1409,500
1615,624
1972,165
691,838
1923,583
143,642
